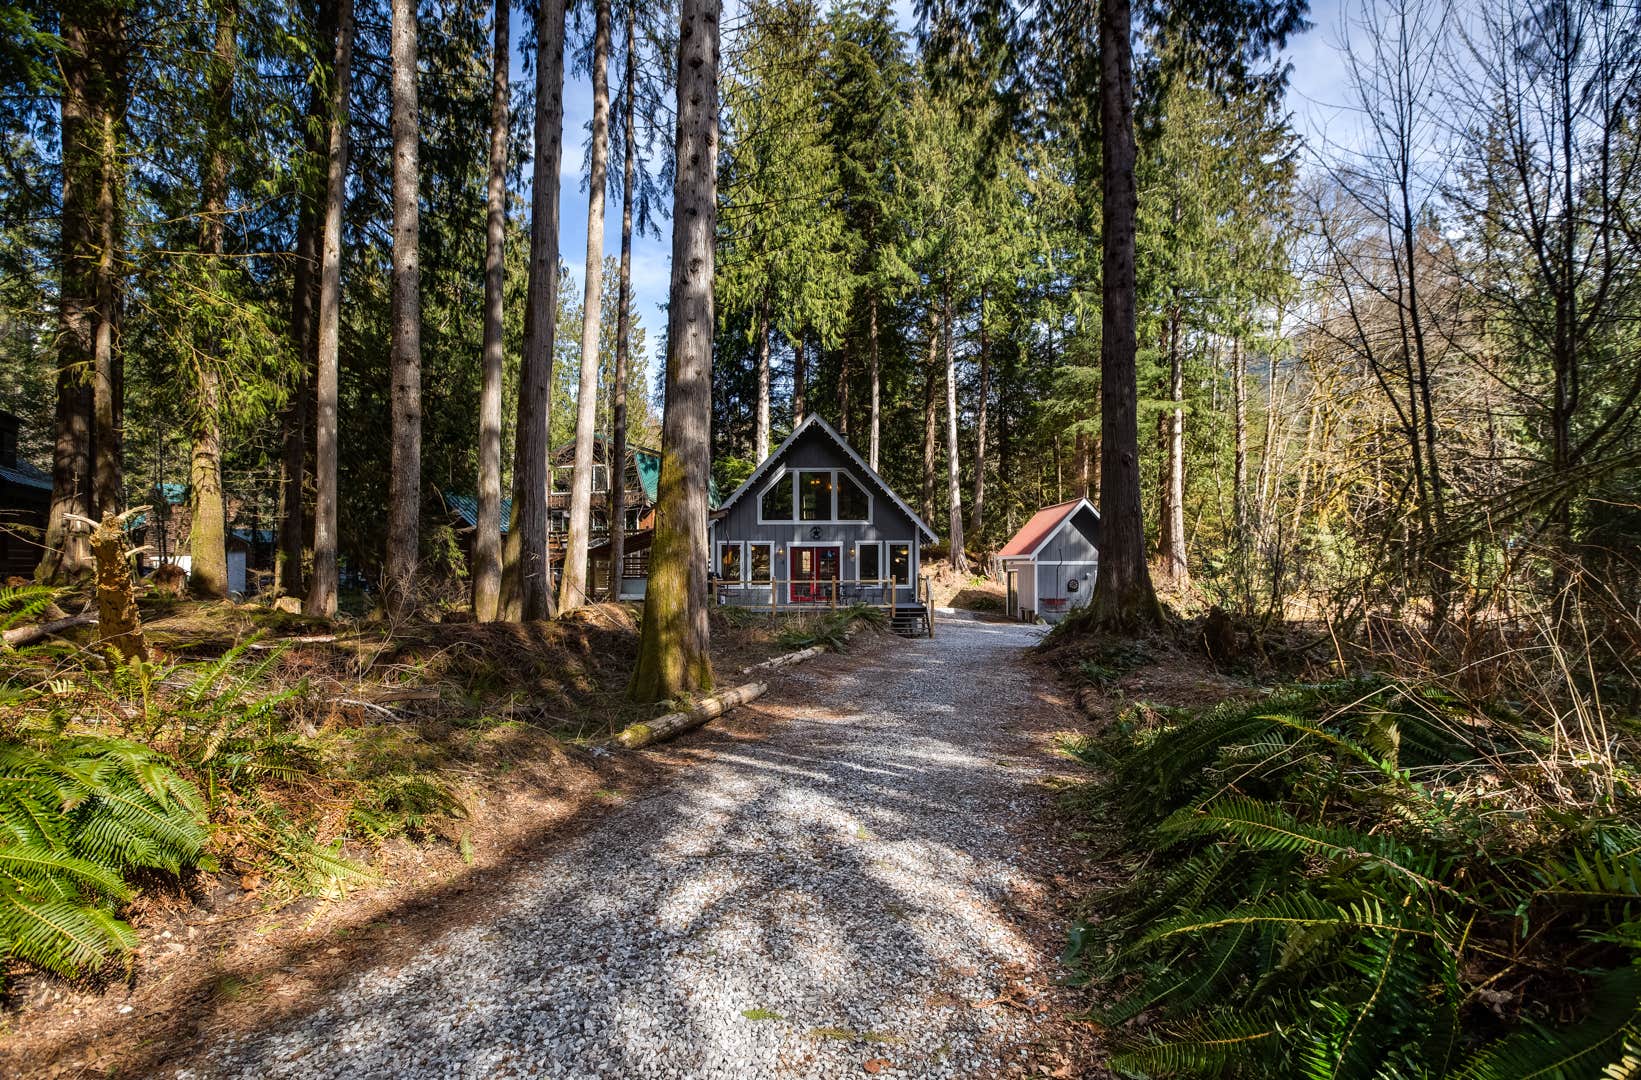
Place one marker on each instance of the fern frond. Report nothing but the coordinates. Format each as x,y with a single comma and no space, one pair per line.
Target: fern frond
1591,1049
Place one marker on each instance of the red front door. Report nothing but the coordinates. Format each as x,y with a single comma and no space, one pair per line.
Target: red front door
815,572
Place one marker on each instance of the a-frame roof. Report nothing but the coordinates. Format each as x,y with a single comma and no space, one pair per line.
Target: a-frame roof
813,420
1041,527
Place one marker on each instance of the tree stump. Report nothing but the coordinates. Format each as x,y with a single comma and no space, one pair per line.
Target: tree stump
119,626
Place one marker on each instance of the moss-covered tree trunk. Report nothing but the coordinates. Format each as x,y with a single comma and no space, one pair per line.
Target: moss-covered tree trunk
487,537
673,655
573,585
322,588
527,582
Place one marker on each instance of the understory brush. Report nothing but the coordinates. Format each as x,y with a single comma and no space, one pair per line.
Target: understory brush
829,628
111,771
1365,878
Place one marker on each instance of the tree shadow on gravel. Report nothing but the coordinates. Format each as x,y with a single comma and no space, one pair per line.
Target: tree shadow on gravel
829,873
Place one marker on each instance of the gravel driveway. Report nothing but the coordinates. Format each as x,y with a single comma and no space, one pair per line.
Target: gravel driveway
841,892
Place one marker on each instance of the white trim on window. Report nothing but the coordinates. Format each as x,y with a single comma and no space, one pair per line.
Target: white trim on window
746,562
788,474
881,564
718,559
911,560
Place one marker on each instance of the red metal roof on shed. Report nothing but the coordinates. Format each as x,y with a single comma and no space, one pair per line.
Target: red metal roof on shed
1035,531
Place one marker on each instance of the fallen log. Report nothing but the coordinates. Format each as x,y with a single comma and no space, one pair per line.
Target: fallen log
649,732
28,635
785,659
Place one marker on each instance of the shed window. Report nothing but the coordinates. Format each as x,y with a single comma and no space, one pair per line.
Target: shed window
776,504
814,496
853,503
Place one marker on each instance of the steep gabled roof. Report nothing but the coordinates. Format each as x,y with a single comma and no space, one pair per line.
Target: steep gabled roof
1043,524
768,464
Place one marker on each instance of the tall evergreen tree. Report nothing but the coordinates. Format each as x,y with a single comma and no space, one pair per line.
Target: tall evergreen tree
674,638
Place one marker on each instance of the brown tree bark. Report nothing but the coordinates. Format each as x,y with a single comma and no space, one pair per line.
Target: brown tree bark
1239,467
573,585
623,320
404,497
92,113
954,488
208,527
487,537
321,599
673,654
527,586
1123,595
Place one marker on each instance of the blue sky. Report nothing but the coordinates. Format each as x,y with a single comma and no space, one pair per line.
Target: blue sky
1315,98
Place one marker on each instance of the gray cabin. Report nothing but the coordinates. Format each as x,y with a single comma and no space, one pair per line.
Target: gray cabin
814,525
1051,564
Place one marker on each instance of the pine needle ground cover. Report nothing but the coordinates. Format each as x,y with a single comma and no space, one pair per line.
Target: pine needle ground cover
1364,878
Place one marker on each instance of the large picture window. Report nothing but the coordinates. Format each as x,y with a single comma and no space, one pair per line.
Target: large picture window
814,495
776,504
853,503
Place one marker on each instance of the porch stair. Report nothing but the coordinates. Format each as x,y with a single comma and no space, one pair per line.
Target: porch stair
910,620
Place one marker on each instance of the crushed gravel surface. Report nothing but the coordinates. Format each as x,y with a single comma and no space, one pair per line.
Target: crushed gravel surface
842,894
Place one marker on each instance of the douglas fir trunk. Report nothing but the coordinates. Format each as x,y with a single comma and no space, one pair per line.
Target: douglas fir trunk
487,537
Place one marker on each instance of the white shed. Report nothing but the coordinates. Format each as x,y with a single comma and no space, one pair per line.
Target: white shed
1051,564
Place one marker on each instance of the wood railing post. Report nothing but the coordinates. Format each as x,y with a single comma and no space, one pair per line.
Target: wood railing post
834,592
774,583
893,591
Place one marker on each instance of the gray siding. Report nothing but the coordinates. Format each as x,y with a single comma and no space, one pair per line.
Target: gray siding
815,450
1077,542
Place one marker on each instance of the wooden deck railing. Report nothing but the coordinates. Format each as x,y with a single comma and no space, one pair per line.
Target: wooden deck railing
807,594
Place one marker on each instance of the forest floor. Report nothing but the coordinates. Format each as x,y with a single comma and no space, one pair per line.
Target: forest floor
867,870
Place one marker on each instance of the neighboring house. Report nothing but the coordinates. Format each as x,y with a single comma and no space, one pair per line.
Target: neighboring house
25,502
642,485
814,525
163,529
1053,561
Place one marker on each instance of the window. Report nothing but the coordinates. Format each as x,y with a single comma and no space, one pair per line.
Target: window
561,477
853,502
869,562
814,495
559,521
601,478
633,514
900,563
760,563
729,561
776,504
